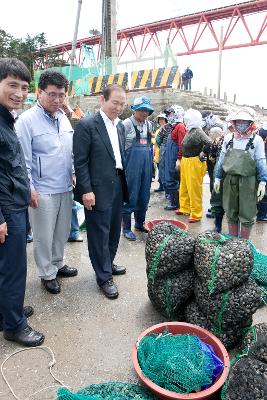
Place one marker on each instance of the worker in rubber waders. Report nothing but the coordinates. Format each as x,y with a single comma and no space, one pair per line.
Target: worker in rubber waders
195,147
242,160
139,159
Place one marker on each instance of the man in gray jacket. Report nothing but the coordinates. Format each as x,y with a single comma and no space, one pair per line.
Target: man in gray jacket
46,135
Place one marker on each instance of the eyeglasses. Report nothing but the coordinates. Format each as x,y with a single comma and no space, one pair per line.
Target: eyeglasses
53,96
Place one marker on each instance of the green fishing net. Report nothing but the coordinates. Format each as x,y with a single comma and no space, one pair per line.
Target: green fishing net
179,363
259,273
108,391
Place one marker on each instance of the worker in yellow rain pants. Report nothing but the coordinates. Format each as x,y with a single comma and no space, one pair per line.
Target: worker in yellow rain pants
193,166
192,173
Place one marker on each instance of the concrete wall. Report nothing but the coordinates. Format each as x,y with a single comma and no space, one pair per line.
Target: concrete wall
160,98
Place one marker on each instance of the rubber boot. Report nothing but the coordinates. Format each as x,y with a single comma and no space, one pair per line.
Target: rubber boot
218,223
173,204
233,229
245,231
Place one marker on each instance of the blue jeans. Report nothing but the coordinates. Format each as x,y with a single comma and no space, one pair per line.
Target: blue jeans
74,227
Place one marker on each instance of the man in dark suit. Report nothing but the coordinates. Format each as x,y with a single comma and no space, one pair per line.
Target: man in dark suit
98,147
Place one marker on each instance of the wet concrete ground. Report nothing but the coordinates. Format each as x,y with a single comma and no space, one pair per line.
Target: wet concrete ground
90,335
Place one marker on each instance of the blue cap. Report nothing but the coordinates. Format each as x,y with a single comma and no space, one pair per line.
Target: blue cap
142,103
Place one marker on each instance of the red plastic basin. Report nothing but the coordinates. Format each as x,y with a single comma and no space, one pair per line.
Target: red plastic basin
184,328
150,224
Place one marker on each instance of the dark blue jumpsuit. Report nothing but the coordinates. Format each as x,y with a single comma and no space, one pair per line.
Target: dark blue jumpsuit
139,159
171,176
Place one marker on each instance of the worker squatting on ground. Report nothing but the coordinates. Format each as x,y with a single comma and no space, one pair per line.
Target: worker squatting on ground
242,161
139,158
193,166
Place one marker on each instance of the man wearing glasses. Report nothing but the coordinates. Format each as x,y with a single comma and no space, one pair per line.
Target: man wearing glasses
46,135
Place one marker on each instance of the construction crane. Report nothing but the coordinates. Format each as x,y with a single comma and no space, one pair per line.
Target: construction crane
109,37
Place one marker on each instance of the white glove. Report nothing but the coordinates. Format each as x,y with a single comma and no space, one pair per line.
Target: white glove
261,191
178,165
216,186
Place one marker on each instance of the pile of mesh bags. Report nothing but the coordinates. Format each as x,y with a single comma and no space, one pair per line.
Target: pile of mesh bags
247,379
108,391
225,296
169,256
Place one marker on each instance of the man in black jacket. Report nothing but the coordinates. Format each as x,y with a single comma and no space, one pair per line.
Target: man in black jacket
14,202
98,147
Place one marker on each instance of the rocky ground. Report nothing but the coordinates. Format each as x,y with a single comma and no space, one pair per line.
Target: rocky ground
91,336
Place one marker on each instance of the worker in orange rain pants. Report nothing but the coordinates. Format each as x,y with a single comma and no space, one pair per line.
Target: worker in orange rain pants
193,166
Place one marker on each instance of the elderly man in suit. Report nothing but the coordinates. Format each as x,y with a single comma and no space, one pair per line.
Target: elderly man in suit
98,147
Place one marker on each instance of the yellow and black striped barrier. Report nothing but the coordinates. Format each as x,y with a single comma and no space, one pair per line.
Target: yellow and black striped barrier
159,77
143,79
98,83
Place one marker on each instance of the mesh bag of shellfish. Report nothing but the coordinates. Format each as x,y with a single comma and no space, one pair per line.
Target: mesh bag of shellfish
254,342
168,295
251,366
230,336
222,263
246,381
236,305
169,249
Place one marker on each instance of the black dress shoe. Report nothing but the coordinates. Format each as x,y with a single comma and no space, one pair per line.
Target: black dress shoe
118,269
141,229
28,312
51,286
67,272
27,337
110,289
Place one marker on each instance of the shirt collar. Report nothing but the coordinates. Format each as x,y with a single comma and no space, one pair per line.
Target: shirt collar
58,114
107,119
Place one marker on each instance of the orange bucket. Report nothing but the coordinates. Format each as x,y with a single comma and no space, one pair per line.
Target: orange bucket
184,328
150,224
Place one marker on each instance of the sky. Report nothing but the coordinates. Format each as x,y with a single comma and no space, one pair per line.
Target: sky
243,70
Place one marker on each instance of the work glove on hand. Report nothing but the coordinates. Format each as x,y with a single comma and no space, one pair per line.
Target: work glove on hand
216,186
261,191
178,165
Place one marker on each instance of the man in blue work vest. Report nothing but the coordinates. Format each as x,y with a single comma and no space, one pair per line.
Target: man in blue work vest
139,160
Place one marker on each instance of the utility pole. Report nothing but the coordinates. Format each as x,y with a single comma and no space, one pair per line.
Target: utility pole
220,64
109,37
74,42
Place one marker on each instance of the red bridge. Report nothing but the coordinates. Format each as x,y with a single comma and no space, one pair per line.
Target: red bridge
244,25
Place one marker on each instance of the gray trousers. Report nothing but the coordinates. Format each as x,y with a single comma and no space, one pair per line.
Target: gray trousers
50,224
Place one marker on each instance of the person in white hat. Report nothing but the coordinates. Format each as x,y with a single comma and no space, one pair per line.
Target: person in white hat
242,160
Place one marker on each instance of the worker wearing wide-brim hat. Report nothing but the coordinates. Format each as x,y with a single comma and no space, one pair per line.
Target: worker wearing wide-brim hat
242,160
139,159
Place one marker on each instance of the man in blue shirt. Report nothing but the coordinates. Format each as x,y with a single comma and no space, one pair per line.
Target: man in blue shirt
46,135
